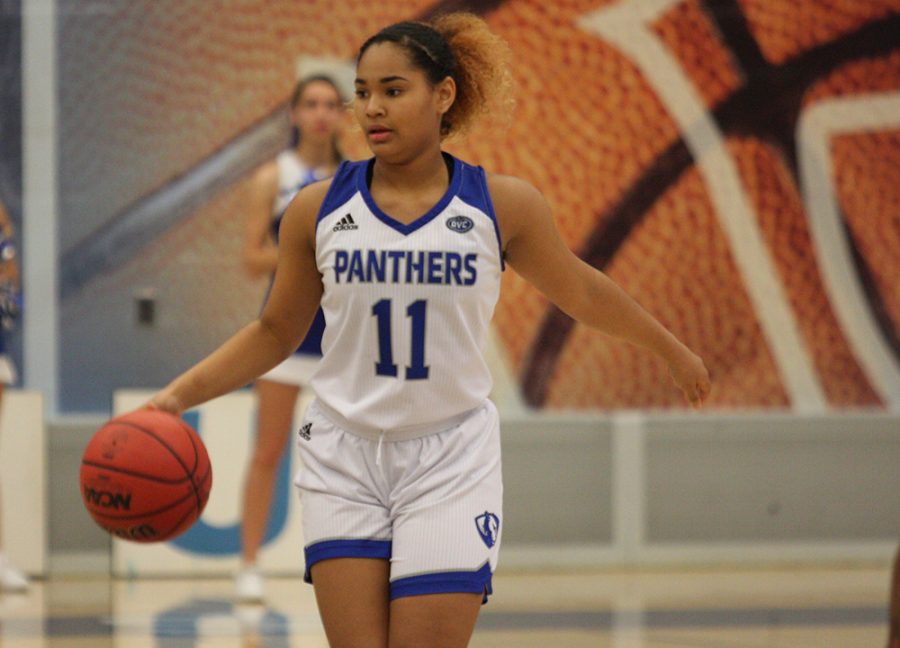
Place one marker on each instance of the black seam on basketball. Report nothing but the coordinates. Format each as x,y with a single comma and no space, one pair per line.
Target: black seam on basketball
160,440
187,430
198,484
190,432
170,532
132,473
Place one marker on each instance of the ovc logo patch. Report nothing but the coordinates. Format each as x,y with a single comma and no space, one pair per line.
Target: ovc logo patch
460,224
488,526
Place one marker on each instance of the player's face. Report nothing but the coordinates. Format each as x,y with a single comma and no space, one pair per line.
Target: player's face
398,109
317,113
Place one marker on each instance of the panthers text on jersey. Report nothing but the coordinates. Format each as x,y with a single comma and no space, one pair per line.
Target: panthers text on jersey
407,306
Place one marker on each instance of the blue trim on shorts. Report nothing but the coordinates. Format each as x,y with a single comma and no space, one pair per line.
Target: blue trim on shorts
326,549
475,582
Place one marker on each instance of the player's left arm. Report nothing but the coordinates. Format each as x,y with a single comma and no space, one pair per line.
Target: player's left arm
535,250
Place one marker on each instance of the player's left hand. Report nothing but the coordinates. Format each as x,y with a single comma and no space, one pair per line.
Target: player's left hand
691,376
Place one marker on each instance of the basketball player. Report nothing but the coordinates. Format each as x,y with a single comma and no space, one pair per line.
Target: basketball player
316,111
11,579
400,483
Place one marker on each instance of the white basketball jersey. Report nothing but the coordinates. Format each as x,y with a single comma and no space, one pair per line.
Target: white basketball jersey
293,175
407,307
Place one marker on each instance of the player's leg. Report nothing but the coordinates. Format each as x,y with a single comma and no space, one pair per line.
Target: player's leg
446,532
435,620
353,596
347,527
275,402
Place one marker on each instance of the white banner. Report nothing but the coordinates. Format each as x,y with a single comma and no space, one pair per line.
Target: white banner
227,426
24,482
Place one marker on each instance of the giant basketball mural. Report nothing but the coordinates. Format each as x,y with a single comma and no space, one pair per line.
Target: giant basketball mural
734,164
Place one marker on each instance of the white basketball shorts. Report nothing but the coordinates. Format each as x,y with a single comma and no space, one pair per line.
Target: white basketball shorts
296,369
430,504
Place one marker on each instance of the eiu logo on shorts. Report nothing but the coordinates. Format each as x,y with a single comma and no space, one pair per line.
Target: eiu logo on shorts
488,526
460,224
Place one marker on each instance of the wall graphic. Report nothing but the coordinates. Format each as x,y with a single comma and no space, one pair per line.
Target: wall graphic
731,163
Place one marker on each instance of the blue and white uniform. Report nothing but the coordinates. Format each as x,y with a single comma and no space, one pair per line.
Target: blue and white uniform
298,369
401,448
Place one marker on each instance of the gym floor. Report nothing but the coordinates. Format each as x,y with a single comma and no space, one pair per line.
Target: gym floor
815,607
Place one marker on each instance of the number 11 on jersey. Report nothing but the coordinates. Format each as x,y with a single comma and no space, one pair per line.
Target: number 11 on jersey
385,365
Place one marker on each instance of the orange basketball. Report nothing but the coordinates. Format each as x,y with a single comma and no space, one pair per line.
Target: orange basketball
145,476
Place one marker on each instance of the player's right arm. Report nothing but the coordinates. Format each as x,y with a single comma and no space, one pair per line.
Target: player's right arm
259,253
268,340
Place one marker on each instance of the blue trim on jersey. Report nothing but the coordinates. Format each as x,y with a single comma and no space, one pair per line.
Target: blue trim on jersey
312,343
422,220
342,188
474,192
326,549
308,178
454,582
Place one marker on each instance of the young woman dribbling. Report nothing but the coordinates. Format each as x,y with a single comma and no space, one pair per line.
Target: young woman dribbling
400,484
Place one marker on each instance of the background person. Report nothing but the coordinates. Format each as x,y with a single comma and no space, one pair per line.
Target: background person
316,110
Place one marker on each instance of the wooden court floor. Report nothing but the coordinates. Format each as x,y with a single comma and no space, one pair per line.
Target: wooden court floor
815,607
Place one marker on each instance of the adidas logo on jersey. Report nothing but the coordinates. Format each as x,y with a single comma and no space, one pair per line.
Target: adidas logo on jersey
346,223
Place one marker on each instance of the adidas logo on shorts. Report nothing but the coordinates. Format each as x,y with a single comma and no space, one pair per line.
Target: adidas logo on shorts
306,431
346,223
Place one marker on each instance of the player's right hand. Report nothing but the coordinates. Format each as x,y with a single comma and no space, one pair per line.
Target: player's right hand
165,401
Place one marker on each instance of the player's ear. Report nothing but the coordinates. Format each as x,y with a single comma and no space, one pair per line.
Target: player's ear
445,94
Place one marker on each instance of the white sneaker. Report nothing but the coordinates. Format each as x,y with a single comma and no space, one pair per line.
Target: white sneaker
249,585
250,617
11,579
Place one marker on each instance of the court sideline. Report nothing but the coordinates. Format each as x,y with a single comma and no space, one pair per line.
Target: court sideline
808,606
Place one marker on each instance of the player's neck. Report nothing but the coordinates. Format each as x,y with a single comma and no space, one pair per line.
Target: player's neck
413,175
316,155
